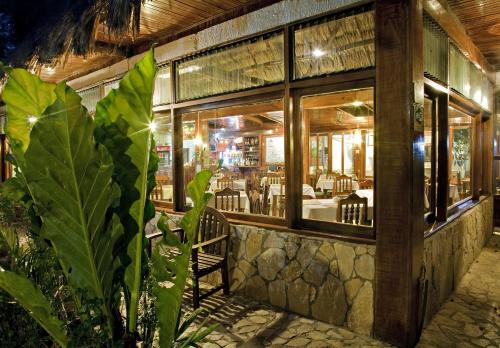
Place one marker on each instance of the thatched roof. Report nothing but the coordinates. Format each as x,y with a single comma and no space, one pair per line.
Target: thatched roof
42,31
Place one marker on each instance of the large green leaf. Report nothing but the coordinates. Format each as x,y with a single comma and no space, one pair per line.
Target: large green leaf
37,305
123,120
171,269
70,178
25,96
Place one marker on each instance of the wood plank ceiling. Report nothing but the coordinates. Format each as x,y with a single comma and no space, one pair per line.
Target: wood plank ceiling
481,20
161,21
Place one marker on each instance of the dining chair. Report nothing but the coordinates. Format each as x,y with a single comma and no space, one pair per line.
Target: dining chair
255,202
228,199
353,210
274,178
366,184
225,182
342,185
265,200
278,205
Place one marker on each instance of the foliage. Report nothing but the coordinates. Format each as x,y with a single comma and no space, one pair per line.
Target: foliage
84,186
123,118
171,260
461,147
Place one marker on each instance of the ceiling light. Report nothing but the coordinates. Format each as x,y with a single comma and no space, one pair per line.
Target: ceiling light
357,103
317,52
50,70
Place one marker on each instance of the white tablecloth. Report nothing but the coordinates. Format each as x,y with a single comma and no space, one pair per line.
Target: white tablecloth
238,184
326,209
168,192
327,184
307,190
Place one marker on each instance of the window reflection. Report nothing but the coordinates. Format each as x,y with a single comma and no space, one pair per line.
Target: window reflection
162,133
244,146
346,122
460,156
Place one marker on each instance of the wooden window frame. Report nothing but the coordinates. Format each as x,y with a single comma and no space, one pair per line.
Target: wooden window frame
295,191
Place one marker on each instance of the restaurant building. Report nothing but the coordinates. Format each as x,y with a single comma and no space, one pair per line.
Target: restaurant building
306,102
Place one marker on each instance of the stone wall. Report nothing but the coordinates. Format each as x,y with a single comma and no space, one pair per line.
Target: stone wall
449,253
324,279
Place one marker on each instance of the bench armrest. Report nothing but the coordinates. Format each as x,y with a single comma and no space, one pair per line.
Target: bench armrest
210,242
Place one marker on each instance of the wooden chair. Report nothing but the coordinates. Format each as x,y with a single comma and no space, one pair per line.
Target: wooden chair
228,199
278,205
353,210
225,182
265,200
342,185
209,253
366,184
255,202
274,178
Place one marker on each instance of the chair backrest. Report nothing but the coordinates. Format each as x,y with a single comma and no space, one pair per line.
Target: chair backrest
274,178
213,224
353,210
278,205
366,184
342,184
265,200
225,182
255,202
227,199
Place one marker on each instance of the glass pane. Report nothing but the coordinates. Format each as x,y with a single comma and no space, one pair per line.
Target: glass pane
435,50
254,63
323,153
163,141
313,154
244,146
429,149
337,153
162,86
349,143
370,153
90,97
348,117
476,78
460,160
459,72
335,45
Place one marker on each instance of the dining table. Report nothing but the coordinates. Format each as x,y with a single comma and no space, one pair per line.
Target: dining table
238,184
307,190
326,209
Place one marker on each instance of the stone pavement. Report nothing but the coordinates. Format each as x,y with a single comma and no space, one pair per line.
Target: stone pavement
244,322
471,316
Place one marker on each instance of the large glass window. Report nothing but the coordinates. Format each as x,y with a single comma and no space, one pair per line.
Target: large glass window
348,119
163,145
343,43
460,155
248,64
244,146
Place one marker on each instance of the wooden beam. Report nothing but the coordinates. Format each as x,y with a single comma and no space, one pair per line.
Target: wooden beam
399,194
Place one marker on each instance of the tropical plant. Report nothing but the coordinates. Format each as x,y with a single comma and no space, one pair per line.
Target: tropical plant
86,184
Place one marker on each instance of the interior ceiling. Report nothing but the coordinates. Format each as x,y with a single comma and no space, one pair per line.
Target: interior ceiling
161,21
481,20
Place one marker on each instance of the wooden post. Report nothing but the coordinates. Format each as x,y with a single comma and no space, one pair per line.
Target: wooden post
399,194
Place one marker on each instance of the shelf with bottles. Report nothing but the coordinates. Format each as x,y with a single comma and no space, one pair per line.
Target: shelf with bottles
251,151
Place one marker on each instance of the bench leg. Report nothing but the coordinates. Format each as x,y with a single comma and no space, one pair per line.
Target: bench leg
225,279
196,292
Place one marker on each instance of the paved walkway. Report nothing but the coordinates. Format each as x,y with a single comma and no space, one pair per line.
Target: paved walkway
471,316
247,323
